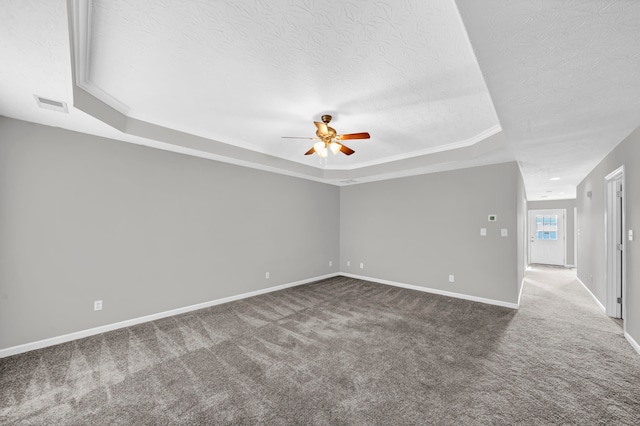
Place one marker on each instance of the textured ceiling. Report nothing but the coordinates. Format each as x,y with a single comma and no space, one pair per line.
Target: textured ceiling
565,80
225,80
247,73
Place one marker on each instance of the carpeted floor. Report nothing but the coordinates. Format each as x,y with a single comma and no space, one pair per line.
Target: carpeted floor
343,351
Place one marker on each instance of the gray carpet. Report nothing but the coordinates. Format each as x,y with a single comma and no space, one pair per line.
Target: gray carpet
343,351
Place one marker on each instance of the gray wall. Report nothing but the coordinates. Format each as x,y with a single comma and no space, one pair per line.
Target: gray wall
523,250
561,204
591,249
84,218
419,230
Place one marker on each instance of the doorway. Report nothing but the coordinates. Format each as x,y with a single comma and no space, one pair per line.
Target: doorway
547,242
615,243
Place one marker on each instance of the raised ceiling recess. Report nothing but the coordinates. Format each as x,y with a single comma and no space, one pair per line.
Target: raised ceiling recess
227,79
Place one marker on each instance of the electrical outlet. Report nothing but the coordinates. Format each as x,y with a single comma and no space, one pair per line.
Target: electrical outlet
331,263
348,263
266,275
97,305
451,278
361,265
504,232
483,232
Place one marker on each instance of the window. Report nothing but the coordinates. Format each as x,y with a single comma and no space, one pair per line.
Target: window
547,227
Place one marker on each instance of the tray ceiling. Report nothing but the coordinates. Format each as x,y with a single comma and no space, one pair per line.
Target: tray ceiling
247,73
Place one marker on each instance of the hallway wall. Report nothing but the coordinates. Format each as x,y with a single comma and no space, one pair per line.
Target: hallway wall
591,221
522,256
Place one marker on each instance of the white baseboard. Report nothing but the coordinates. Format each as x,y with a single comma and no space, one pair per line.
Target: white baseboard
600,305
434,291
632,341
14,350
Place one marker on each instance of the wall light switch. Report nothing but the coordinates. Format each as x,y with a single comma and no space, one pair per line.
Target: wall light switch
331,263
361,265
630,234
483,232
97,305
348,263
266,275
451,278
504,232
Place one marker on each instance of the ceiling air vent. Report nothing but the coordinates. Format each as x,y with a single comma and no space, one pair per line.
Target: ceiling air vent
51,104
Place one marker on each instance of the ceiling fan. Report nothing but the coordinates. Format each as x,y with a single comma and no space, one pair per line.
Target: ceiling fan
329,140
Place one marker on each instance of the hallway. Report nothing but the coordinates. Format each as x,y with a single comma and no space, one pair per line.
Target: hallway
586,370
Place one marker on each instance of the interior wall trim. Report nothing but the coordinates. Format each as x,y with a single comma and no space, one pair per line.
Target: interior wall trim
14,350
632,342
435,291
600,305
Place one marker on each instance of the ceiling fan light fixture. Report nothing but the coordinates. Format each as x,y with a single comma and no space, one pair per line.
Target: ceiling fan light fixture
328,139
321,149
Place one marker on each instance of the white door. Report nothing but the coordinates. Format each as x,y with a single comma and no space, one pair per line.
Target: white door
547,243
615,243
619,241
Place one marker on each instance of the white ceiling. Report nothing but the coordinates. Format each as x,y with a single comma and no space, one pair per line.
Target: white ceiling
551,84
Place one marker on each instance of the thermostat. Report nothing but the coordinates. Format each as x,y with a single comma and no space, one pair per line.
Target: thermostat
493,218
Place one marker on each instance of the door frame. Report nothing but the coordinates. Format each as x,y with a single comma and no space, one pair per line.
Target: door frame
612,217
564,233
575,237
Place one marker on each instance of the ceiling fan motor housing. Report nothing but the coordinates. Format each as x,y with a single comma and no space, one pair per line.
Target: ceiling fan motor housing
327,137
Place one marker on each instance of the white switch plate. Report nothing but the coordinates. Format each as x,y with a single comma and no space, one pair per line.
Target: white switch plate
483,231
348,263
451,278
504,232
266,275
630,234
331,263
97,305
361,265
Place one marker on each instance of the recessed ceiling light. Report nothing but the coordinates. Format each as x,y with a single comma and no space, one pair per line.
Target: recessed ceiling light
51,104
555,178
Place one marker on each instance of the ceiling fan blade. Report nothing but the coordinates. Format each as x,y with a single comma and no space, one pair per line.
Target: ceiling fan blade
346,150
299,137
349,136
311,151
322,128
